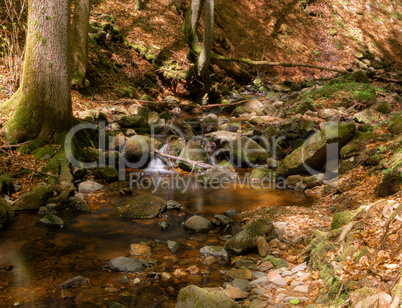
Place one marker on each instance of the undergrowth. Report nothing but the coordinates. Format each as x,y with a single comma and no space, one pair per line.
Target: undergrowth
345,92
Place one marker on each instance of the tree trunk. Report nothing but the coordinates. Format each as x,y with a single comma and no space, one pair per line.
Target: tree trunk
190,29
79,41
205,56
42,104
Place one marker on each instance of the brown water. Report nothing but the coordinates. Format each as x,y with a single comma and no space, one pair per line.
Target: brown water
44,258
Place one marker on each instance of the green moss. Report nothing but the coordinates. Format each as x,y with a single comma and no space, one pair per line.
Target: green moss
6,184
340,219
276,261
248,152
6,213
195,152
109,174
239,110
261,173
396,126
41,152
33,200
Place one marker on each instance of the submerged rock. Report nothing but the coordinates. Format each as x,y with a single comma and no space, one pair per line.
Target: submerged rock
246,240
74,282
197,224
124,264
216,176
193,296
142,206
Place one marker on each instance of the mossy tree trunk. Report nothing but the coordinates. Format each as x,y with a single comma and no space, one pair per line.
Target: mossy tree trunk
190,29
79,41
42,105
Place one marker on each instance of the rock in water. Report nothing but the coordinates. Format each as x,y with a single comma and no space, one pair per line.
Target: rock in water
142,206
123,264
193,296
246,239
197,224
312,154
6,213
74,282
215,251
52,221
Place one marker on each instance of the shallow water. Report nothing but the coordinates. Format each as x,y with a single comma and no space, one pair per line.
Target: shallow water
44,258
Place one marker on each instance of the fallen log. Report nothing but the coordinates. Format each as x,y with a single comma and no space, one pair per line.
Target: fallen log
188,161
252,62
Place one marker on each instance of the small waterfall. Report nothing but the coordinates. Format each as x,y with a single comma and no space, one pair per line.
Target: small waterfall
156,165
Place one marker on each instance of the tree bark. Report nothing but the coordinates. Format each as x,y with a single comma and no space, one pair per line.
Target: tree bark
79,41
190,27
205,56
42,104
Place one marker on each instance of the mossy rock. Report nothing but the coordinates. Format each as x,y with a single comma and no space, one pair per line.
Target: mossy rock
6,214
146,97
346,165
246,152
193,296
216,175
340,219
383,107
390,183
261,173
109,174
257,121
374,160
139,149
351,149
239,110
366,127
360,76
313,151
175,147
131,121
278,263
33,200
192,151
246,240
396,126
44,152
142,206
179,127
6,184
129,92
225,163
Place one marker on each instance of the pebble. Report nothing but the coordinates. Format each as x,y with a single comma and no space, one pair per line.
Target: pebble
257,275
280,282
242,273
296,283
234,293
286,273
300,267
262,246
259,291
301,299
193,270
256,303
173,246
210,260
241,284
302,289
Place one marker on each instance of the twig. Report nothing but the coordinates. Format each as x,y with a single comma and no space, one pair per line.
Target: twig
230,104
339,293
345,303
11,146
390,219
191,162
345,231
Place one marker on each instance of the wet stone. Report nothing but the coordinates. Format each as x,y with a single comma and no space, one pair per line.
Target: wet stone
215,251
163,225
224,220
90,186
173,205
74,282
241,284
52,221
234,293
172,246
123,264
231,213
198,224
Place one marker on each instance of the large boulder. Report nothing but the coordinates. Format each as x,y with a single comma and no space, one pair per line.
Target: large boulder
6,184
246,240
222,137
142,206
6,213
139,149
312,154
246,152
193,296
192,151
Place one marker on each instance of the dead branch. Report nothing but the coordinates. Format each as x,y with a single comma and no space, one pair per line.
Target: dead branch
345,303
345,230
254,63
12,146
188,161
230,104
390,219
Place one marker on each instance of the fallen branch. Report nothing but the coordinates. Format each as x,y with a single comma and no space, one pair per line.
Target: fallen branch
251,62
346,229
47,174
188,161
345,303
390,219
12,146
230,104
